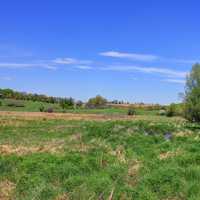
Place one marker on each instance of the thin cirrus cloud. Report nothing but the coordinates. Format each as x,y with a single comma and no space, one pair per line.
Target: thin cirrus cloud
132,56
179,81
48,64
150,70
70,61
83,67
6,78
146,57
27,65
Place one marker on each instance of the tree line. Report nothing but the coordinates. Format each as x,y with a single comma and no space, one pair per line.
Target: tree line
12,94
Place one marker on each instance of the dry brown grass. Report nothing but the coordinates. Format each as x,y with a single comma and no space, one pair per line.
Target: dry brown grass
62,197
169,154
134,168
64,116
6,190
11,122
53,147
185,133
119,153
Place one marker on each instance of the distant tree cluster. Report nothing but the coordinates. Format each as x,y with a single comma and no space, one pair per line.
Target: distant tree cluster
11,94
119,102
96,102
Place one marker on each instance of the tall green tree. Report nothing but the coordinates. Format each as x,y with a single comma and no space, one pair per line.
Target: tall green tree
192,94
96,102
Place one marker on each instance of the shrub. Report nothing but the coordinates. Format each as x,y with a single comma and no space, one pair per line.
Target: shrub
162,112
131,111
49,110
41,108
79,104
67,103
96,102
171,110
14,103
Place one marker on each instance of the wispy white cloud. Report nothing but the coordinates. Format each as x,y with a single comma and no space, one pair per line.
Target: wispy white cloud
132,56
48,64
147,57
179,81
70,61
182,61
65,61
83,67
27,65
162,71
6,78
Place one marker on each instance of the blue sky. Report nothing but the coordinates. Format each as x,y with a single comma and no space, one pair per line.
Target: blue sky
126,50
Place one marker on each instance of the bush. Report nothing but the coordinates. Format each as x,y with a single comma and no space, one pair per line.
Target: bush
171,110
79,104
0,103
14,103
49,110
131,111
162,112
97,102
67,103
41,108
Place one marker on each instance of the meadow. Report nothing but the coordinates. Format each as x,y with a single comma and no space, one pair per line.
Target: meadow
56,156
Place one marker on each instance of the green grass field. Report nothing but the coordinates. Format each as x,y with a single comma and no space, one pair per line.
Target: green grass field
30,106
60,159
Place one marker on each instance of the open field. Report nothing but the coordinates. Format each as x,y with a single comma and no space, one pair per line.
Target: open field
73,156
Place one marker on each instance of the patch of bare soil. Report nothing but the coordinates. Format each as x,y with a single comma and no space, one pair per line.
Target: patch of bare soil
65,116
6,190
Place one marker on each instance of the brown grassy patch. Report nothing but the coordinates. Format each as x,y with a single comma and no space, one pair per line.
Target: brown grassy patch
51,147
133,169
62,197
169,154
6,190
64,116
76,137
119,153
11,122
185,133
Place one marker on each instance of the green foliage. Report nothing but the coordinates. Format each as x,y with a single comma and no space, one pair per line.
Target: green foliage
131,111
96,102
11,94
14,103
171,110
192,94
162,112
79,104
67,103
49,110
0,103
175,110
42,108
